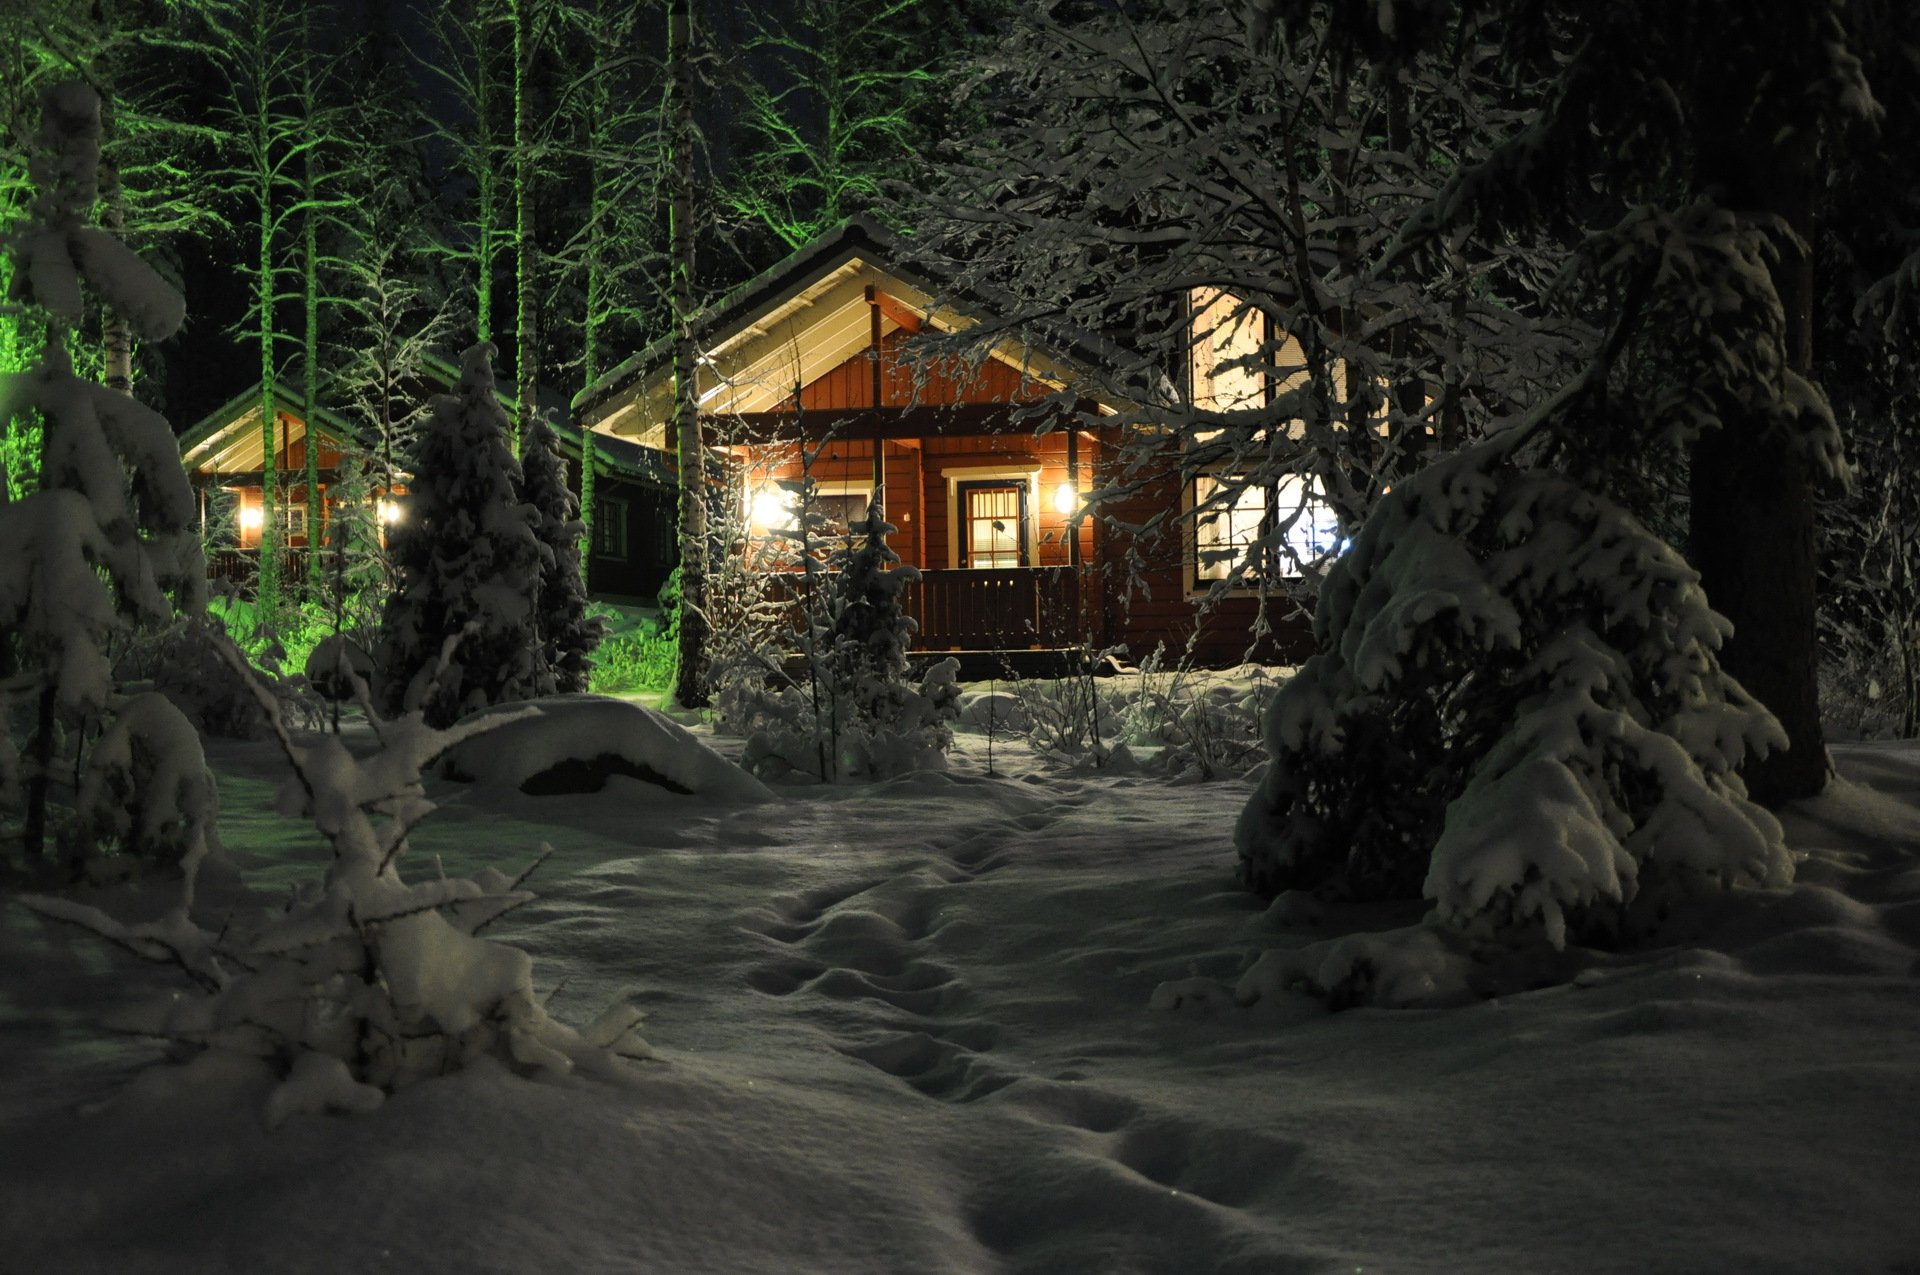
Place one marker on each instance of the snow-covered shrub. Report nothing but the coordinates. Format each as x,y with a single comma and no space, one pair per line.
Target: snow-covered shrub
182,661
1067,717
146,791
468,561
854,711
106,541
362,982
1515,707
568,631
1206,726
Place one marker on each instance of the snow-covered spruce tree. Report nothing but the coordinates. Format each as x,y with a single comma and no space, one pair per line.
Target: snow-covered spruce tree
898,721
854,713
468,560
107,539
362,983
1516,708
568,635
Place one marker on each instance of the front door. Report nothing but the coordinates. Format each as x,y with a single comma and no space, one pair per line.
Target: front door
993,524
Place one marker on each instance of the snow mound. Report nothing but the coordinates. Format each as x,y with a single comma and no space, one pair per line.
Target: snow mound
571,743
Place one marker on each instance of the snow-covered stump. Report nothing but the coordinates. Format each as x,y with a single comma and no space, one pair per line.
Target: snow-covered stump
363,982
1515,710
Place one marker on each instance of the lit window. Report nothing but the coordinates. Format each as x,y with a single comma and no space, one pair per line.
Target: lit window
1224,331
1282,524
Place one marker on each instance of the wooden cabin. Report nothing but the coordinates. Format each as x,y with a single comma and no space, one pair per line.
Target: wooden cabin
635,491
985,464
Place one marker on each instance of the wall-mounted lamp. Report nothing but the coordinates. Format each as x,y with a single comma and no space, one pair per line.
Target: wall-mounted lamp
251,517
1065,499
771,507
389,512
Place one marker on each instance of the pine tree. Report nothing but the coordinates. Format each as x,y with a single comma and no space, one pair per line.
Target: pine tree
568,634
108,538
468,557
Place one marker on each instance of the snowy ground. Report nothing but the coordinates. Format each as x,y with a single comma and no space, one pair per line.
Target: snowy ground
905,1028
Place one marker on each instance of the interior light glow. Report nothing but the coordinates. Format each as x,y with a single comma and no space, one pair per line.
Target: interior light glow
251,517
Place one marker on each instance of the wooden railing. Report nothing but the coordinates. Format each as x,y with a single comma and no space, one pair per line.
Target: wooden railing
241,567
999,609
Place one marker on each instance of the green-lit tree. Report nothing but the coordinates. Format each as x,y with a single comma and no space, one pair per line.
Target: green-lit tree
568,634
464,56
830,106
612,128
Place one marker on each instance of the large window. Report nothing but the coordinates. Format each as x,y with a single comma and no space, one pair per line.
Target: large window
1283,525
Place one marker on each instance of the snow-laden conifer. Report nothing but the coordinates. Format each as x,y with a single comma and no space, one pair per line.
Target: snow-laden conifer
854,711
467,559
362,982
1515,708
107,539
568,634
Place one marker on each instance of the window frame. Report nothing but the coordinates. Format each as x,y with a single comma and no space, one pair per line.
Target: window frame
1274,564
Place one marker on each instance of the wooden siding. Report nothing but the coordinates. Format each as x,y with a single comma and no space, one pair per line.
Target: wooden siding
906,383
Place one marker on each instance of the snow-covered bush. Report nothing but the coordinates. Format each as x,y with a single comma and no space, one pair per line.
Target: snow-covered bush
107,540
468,560
362,982
568,632
854,711
1515,707
146,791
1206,726
1066,717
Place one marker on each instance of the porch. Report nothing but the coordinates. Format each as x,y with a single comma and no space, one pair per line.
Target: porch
239,568
996,609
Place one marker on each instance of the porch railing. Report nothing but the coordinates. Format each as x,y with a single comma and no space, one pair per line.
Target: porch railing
1008,608
241,567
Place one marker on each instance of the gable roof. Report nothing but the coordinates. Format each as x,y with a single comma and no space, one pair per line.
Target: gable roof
805,316
227,440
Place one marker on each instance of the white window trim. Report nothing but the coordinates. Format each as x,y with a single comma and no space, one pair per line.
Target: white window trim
1028,474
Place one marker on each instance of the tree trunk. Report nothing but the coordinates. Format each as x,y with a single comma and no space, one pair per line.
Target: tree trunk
116,334
310,271
1751,536
690,688
526,371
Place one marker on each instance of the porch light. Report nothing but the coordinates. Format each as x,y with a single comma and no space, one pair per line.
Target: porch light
1065,499
771,506
389,512
251,517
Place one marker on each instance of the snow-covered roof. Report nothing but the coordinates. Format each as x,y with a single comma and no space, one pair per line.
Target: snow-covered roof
807,315
227,440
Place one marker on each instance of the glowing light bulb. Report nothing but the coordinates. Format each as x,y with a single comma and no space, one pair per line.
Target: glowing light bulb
1065,499
251,517
771,507
389,512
